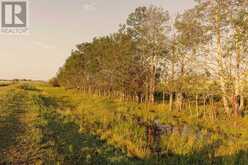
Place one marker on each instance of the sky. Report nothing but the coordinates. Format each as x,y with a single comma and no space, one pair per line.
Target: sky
57,26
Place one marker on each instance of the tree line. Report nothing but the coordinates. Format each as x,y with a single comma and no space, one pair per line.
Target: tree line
199,56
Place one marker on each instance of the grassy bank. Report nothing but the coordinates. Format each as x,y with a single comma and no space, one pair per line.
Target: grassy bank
45,125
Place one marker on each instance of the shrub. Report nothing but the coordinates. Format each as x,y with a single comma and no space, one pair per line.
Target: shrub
54,82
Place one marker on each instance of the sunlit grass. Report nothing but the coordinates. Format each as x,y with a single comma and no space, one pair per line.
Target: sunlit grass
54,125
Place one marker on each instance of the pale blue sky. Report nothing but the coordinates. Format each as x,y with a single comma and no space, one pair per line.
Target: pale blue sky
58,25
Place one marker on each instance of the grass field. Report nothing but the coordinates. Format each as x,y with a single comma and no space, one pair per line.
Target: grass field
40,124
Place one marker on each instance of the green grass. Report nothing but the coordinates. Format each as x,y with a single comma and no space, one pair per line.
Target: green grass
5,83
40,124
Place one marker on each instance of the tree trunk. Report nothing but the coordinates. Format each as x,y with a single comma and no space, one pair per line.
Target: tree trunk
220,63
146,92
236,99
241,105
163,97
196,105
225,102
179,101
172,76
152,84
139,95
235,105
204,104
171,101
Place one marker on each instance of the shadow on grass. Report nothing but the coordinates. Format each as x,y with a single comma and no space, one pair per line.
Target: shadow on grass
49,102
67,145
204,157
73,147
11,127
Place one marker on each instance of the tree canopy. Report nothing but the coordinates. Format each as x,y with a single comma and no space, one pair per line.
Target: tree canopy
202,52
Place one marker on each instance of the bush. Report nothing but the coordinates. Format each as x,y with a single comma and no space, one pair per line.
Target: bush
27,86
54,82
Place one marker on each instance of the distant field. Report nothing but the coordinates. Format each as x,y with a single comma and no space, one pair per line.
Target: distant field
40,124
11,82
4,83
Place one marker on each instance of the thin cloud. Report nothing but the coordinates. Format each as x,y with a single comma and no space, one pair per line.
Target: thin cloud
89,6
43,45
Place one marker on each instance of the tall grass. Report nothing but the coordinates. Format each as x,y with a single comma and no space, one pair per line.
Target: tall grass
194,139
45,125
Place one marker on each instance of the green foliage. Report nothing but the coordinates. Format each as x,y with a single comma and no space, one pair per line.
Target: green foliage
201,55
54,82
27,86
50,125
